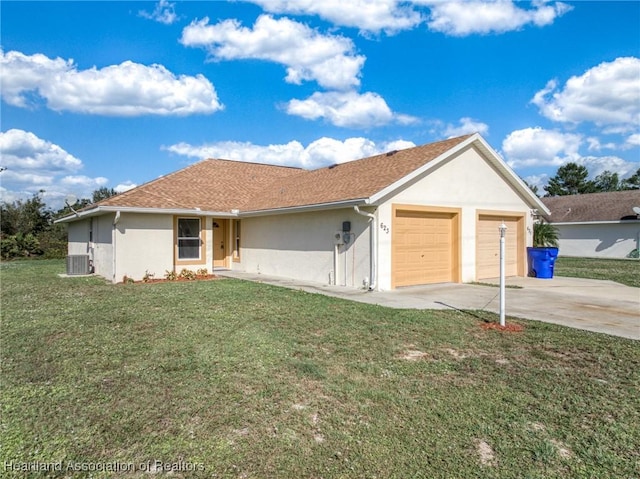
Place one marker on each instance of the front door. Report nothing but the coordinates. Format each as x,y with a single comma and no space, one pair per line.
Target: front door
219,243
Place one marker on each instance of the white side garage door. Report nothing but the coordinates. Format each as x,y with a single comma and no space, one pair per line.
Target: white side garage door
488,246
425,247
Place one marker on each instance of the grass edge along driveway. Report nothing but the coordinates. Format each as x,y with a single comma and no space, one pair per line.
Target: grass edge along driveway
237,379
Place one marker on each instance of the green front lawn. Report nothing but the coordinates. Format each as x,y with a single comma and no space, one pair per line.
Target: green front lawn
246,380
625,271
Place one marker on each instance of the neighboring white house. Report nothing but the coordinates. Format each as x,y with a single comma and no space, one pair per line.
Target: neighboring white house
600,225
422,215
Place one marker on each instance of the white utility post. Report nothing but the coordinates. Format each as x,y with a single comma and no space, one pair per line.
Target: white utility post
503,230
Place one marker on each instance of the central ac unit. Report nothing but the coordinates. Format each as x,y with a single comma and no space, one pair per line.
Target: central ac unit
78,264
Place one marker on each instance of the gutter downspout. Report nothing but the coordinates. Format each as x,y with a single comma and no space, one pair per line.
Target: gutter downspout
336,252
113,249
373,249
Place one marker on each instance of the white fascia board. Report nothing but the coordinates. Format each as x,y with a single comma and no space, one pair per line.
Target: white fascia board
306,208
511,175
100,210
587,223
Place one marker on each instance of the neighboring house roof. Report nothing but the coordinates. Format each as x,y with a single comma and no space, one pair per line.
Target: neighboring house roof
217,186
593,207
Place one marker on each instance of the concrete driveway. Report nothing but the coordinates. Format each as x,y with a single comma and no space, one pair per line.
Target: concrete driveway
589,304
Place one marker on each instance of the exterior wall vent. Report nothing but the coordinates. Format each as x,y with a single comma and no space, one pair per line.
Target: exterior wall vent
78,264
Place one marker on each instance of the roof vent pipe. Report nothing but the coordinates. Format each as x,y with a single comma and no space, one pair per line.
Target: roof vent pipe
373,249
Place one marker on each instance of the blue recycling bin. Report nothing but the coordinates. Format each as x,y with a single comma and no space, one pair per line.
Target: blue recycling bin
541,262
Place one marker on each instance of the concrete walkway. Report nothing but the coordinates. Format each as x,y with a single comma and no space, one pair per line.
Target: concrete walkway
589,304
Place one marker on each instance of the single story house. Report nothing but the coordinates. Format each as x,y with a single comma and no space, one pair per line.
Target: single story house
422,215
601,225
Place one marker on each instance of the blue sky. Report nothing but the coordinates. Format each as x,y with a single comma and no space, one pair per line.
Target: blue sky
118,93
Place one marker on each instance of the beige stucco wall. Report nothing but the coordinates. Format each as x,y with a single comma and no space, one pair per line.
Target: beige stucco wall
143,242
467,182
301,246
102,245
598,240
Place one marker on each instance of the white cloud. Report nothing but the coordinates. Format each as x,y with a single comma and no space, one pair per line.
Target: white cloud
372,16
633,140
608,94
347,109
84,181
459,18
538,147
34,164
321,152
125,186
128,89
32,181
596,145
614,164
164,12
23,151
462,18
538,180
534,147
467,125
307,54
7,196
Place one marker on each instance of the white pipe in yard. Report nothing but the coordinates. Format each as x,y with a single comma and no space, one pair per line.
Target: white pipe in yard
503,229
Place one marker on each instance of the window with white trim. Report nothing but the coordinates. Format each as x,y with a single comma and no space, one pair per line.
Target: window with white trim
189,238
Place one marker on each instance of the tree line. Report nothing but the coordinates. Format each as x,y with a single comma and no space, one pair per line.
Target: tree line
27,227
573,179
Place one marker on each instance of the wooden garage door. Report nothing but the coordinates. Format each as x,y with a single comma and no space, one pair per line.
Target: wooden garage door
424,247
488,246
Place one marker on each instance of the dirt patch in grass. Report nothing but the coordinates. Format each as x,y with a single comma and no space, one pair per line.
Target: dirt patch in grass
536,426
485,453
457,354
413,355
507,328
563,451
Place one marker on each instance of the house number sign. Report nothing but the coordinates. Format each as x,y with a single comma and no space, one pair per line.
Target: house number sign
384,228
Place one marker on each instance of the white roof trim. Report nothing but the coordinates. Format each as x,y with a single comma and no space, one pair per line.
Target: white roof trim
101,210
489,152
305,208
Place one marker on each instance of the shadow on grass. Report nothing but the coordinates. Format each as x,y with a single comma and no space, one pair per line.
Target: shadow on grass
466,311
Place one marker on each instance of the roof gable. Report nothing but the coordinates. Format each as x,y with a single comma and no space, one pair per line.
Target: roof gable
352,180
609,206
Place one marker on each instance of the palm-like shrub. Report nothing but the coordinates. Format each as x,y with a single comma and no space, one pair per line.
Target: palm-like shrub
545,235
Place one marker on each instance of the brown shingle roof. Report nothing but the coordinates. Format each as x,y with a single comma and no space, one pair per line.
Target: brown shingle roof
612,206
223,185
212,185
351,180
